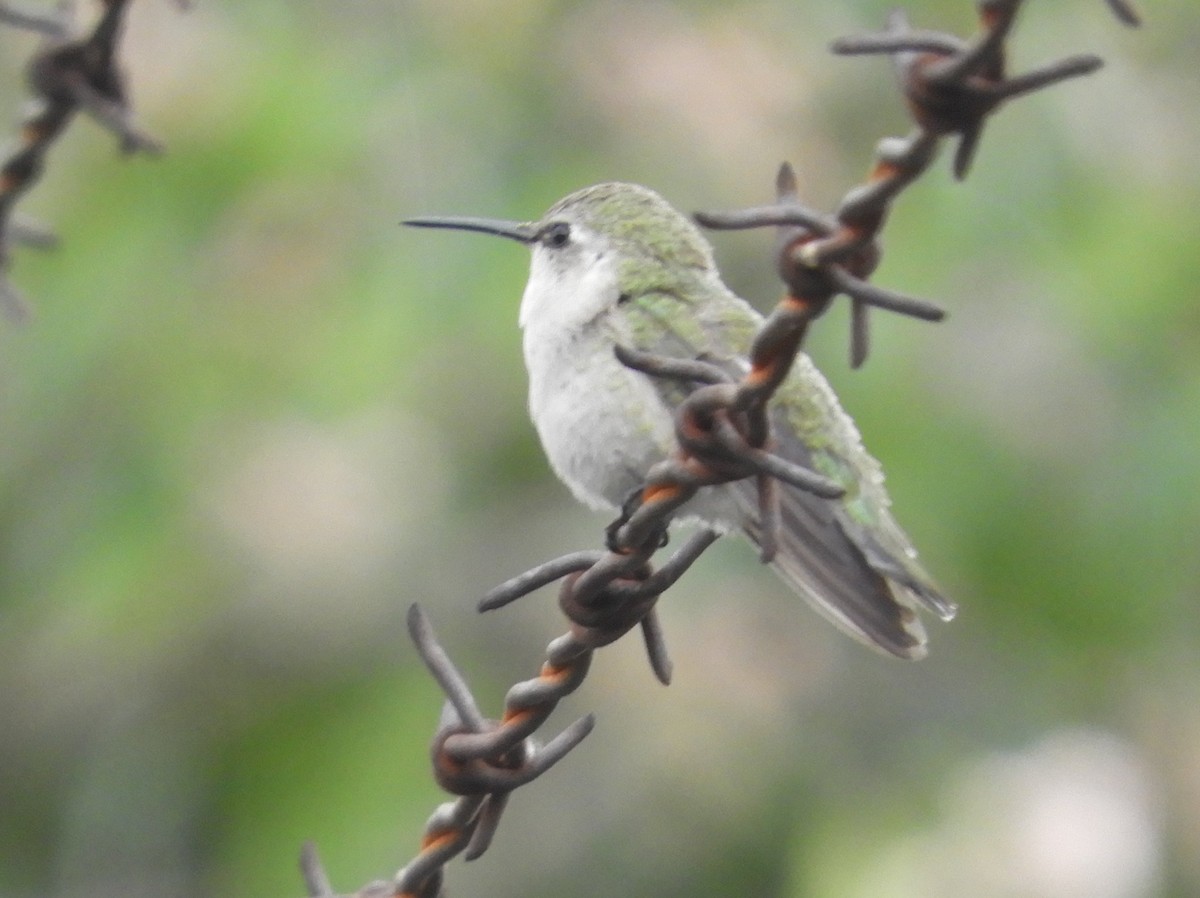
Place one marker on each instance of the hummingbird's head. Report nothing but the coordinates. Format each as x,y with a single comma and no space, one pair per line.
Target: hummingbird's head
597,247
604,244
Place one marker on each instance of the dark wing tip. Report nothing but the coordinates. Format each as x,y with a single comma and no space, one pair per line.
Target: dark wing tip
822,563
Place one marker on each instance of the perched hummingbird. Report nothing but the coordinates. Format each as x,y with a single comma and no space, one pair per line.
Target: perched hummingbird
615,264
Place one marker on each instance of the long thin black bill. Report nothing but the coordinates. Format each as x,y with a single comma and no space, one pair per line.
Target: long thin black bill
513,230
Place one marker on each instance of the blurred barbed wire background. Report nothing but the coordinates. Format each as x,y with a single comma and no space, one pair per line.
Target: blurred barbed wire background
252,420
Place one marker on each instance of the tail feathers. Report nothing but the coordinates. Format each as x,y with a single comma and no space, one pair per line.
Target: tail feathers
907,575
849,577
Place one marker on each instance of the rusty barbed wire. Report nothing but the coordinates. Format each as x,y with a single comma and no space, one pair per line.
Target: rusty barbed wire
482,760
723,435
47,25
951,87
68,74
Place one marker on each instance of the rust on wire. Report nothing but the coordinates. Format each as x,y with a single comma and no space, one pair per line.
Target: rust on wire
69,73
479,760
722,432
951,84
483,760
823,256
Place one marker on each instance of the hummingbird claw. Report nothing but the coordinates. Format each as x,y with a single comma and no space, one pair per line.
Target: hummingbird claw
615,538
612,533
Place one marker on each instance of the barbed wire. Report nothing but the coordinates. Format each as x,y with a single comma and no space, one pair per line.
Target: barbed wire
68,74
50,26
723,434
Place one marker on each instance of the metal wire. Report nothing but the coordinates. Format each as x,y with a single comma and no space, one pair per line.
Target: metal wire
69,73
950,85
722,433
51,26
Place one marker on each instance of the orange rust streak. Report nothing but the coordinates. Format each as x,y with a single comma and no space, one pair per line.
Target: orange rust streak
659,492
851,232
760,374
554,674
885,171
35,131
796,305
433,841
515,714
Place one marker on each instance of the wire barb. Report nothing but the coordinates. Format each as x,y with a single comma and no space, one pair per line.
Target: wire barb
49,26
723,434
479,760
313,871
1125,12
822,256
68,74
952,85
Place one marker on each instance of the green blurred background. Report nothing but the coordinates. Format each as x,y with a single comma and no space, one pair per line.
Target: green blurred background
253,419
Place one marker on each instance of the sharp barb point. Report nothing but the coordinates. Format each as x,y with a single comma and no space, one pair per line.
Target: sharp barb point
444,672
1125,12
860,336
487,823
656,648
315,878
785,182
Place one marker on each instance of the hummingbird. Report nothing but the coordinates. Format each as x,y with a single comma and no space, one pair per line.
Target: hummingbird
616,265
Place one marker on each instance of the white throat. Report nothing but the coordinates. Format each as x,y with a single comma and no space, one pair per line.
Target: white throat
566,294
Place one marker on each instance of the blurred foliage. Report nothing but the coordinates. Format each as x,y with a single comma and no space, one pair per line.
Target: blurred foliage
253,419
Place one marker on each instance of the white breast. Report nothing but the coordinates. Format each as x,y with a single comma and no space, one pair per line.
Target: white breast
602,425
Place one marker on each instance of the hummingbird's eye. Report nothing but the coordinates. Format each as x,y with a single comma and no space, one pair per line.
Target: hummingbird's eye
557,235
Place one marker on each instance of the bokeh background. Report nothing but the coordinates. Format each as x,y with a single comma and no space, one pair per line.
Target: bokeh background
253,419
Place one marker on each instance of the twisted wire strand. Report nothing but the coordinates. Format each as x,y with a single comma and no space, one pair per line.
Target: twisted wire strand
722,432
68,74
951,86
50,26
